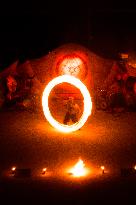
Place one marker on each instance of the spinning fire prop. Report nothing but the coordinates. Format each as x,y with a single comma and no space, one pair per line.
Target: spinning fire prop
87,103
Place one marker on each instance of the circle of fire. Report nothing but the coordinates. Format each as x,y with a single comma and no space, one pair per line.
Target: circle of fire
87,103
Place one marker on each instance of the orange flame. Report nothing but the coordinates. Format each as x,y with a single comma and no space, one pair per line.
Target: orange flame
13,168
79,169
102,167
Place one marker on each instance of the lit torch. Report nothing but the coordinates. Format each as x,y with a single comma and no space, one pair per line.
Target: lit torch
13,170
103,169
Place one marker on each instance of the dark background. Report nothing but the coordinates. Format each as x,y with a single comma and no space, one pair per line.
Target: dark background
30,30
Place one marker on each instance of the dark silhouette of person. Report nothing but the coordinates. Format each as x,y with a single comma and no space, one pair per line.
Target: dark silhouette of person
72,112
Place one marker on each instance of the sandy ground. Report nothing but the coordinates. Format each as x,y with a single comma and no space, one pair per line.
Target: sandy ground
28,140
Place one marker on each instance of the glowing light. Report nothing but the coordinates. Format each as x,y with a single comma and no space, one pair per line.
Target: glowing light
44,170
87,103
102,167
13,168
79,169
135,167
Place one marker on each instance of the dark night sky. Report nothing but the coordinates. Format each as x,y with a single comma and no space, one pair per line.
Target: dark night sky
31,30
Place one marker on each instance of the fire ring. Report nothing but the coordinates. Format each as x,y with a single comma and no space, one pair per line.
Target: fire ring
86,101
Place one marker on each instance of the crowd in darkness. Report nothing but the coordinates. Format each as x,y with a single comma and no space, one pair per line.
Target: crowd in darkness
120,86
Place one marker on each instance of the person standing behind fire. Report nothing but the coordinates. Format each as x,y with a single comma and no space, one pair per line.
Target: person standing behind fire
122,75
72,112
116,82
119,71
11,85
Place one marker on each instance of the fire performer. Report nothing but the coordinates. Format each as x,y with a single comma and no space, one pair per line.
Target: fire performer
72,112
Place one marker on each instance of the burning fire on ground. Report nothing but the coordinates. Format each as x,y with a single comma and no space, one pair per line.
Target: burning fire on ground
79,169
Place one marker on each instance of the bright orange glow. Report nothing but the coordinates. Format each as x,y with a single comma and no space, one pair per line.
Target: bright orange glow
135,167
102,167
13,168
87,103
44,170
79,169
